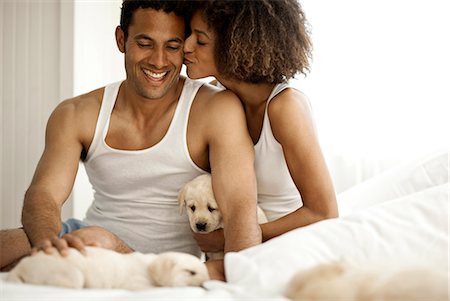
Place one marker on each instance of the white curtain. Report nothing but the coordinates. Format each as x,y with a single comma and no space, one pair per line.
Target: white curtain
379,84
50,50
36,73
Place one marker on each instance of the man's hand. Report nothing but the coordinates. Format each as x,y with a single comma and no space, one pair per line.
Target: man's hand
50,245
79,239
210,242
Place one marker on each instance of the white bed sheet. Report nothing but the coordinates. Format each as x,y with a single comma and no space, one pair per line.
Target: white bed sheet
213,291
409,231
399,218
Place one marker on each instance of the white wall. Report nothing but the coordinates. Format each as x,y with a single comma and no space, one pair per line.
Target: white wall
97,62
379,84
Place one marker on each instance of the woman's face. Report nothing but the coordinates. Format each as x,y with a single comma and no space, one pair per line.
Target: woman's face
199,49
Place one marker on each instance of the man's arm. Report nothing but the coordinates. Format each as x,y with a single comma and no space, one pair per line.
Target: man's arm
54,177
231,156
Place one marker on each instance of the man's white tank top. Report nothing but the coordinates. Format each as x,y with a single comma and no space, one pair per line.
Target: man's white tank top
135,192
277,193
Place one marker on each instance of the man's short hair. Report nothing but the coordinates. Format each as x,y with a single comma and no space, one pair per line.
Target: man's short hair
180,8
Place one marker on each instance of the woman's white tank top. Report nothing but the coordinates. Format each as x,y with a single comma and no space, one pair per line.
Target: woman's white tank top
277,193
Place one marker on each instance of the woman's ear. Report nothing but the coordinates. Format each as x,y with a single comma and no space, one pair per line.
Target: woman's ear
120,39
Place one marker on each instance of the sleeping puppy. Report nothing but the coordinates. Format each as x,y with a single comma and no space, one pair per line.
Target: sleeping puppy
340,281
202,209
102,268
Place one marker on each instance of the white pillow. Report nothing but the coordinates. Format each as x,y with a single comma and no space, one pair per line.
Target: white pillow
406,179
412,229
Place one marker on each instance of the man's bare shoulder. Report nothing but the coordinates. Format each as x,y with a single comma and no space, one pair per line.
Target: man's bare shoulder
81,105
77,115
218,112
213,99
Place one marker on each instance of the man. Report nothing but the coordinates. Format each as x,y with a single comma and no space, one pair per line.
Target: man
140,141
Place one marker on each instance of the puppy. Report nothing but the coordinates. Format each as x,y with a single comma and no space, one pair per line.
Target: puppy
102,268
202,209
340,281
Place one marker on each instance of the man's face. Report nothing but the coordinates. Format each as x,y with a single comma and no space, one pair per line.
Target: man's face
153,52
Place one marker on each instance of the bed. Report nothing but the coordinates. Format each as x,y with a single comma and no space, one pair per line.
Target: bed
398,218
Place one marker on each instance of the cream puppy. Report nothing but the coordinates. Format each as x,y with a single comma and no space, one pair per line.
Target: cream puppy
102,268
197,197
340,281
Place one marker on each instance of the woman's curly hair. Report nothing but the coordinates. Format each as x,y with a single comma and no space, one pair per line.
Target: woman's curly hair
258,40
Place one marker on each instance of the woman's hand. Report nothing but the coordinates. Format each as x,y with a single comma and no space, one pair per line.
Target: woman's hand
210,242
216,269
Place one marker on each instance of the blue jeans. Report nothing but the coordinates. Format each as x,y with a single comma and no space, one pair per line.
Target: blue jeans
71,225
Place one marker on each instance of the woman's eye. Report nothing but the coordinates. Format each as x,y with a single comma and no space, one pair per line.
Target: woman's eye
201,43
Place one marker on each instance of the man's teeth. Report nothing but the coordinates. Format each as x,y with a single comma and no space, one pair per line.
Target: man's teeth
155,75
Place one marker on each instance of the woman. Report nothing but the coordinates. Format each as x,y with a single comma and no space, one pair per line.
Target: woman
252,48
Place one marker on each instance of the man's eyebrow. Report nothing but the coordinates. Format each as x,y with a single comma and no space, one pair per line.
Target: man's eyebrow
177,40
142,36
146,37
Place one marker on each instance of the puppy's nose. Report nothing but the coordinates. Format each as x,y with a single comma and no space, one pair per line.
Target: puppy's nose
201,226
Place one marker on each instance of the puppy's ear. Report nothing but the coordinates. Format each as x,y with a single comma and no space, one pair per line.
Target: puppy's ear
181,200
160,270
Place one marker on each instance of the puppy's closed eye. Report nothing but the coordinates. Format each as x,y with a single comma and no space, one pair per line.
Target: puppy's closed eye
211,209
193,273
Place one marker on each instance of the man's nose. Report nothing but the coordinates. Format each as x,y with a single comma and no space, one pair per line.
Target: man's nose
158,58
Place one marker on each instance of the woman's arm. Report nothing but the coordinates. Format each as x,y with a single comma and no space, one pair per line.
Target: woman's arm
293,127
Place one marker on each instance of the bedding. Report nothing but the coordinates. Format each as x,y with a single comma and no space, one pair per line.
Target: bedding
403,180
398,219
409,231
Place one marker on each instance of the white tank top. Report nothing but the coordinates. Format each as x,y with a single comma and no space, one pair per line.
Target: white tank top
135,192
277,193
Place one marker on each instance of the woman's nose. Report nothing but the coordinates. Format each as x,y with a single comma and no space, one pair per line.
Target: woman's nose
188,46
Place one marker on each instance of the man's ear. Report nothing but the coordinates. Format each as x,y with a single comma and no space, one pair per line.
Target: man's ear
120,39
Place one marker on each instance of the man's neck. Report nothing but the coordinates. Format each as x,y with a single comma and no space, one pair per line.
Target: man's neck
143,108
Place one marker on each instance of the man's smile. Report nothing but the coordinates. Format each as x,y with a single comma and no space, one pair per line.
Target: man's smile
155,76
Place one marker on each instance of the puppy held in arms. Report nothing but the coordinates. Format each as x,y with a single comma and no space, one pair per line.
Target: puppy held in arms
203,212
102,268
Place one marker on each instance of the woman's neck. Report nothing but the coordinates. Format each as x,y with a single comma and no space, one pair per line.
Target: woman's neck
251,95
